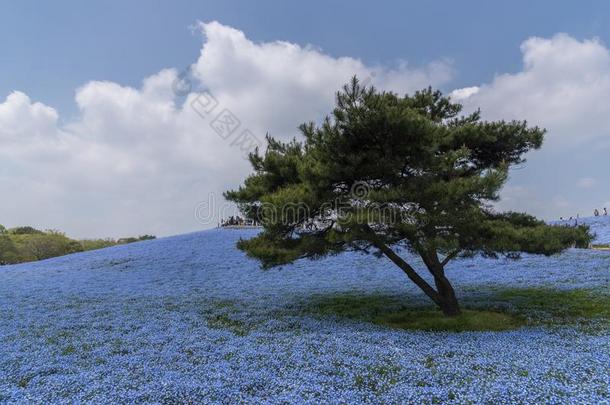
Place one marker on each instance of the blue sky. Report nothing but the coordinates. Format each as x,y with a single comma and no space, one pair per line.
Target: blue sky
93,141
50,48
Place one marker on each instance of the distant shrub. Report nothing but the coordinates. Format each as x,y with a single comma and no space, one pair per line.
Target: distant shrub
26,244
132,239
24,230
45,245
8,251
93,244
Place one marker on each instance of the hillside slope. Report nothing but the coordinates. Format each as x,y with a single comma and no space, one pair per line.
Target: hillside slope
191,319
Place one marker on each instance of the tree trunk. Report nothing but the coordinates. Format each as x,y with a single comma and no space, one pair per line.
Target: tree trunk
449,306
410,272
449,303
444,295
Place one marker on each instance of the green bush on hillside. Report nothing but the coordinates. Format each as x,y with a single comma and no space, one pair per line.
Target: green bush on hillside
39,246
24,230
26,244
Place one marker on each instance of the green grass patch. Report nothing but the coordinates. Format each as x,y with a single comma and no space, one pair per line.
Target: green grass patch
393,312
222,321
228,315
564,304
504,309
377,378
434,320
23,382
68,350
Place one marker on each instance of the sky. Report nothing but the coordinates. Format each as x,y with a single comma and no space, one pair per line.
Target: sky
129,117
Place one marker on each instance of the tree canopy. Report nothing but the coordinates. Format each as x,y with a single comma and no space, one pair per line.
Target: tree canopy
385,171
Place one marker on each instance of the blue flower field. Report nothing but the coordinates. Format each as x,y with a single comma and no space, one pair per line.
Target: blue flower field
190,319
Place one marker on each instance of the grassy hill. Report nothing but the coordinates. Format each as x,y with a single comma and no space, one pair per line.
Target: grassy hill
27,244
191,319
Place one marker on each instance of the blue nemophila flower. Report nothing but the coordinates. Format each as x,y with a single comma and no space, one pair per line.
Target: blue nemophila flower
191,319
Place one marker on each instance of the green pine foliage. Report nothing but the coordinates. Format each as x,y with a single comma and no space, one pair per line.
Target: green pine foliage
385,171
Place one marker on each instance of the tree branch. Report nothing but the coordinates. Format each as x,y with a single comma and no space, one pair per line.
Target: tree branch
450,256
406,268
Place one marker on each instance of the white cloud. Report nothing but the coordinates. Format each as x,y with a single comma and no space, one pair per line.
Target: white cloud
463,93
586,182
138,160
561,87
20,117
277,85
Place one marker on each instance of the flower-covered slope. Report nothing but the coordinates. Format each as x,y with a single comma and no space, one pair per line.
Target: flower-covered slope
191,319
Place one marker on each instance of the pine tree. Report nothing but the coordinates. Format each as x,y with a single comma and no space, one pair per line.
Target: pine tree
385,172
